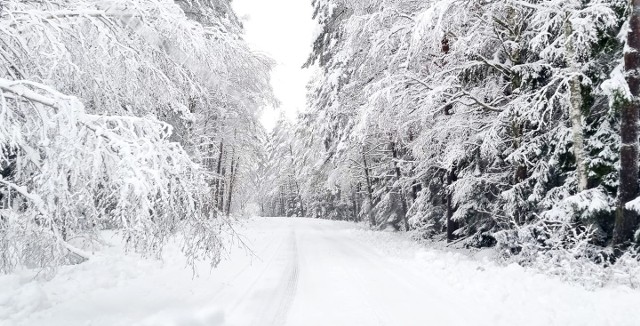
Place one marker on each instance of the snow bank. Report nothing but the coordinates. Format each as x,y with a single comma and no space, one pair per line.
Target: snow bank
113,289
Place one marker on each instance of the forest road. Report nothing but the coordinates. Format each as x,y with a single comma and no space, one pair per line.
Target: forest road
315,272
307,272
310,272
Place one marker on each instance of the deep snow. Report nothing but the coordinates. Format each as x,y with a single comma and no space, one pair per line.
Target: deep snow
308,272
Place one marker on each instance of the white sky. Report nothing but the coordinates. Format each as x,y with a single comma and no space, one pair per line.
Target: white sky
284,30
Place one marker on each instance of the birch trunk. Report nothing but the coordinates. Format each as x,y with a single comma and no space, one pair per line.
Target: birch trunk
575,109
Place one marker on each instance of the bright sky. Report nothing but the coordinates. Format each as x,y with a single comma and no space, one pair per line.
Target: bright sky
284,30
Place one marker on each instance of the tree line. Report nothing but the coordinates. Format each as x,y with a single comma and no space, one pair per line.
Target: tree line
488,122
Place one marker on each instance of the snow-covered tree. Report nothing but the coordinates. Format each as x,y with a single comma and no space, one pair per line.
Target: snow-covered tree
122,114
472,117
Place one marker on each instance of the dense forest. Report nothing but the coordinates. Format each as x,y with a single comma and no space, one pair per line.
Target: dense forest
480,154
486,123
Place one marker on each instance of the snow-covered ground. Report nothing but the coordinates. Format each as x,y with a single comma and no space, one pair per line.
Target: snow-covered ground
309,272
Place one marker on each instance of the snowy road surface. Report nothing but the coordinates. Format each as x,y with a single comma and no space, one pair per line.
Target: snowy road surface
311,272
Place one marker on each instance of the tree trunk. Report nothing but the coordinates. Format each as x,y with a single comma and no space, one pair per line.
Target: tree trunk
626,219
298,195
282,203
394,152
372,219
232,179
219,176
575,109
451,224
354,204
222,193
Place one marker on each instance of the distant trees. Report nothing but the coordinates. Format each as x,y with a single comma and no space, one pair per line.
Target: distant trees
281,190
139,116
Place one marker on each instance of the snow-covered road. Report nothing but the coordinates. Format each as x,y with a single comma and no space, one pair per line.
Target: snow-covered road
310,272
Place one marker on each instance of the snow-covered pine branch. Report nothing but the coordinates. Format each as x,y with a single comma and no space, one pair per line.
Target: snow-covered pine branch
470,117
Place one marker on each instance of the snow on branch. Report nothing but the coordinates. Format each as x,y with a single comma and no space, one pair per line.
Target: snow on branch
70,173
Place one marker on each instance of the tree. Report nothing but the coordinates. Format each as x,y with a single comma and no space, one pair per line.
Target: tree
79,172
111,117
626,218
490,115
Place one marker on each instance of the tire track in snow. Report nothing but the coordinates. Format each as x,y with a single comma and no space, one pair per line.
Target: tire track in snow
284,289
237,302
291,284
258,256
269,294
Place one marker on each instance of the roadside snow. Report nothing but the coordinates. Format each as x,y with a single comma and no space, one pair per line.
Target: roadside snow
309,272
117,289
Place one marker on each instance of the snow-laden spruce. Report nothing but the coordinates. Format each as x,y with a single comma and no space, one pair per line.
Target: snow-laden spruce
471,121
